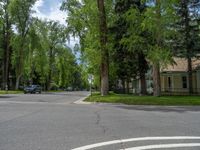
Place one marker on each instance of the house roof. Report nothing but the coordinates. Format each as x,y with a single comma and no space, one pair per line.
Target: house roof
181,65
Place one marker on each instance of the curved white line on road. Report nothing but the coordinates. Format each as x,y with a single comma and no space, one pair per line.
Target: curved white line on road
180,145
137,139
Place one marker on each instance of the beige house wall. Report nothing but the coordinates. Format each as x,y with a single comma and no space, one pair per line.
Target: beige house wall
194,83
162,78
176,81
198,81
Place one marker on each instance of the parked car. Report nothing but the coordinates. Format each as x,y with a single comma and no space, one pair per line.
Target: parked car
32,89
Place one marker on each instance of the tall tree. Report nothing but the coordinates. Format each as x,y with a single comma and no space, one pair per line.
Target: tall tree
6,39
129,39
21,13
56,36
187,44
156,65
83,22
158,19
104,49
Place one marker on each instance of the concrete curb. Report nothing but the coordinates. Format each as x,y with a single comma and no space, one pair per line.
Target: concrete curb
81,101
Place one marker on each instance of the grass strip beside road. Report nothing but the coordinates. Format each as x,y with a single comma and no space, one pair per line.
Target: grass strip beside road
146,100
10,92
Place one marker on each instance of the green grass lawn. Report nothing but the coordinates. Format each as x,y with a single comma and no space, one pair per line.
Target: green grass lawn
10,92
146,100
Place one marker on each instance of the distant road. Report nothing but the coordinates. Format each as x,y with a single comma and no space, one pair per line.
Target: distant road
49,97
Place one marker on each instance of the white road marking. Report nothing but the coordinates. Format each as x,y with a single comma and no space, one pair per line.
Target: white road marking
180,145
137,139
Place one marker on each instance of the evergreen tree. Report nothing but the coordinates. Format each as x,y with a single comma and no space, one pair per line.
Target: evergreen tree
187,43
158,18
129,42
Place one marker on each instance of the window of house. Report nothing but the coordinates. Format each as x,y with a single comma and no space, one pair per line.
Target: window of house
184,82
169,82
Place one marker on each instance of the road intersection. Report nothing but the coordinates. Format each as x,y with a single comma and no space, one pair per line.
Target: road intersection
52,121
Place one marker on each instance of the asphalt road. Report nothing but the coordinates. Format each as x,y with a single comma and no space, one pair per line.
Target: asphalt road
53,122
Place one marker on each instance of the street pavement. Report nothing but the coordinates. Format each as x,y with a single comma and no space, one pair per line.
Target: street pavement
52,121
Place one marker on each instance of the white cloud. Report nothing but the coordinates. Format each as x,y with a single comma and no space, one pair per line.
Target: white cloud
37,5
57,15
73,41
54,14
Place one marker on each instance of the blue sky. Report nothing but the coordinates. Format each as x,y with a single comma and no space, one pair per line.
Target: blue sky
50,10
48,5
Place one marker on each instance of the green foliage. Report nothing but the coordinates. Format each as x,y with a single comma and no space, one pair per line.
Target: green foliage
20,11
39,53
83,23
161,56
161,30
187,44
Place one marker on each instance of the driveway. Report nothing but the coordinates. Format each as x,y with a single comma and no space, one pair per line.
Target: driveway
54,122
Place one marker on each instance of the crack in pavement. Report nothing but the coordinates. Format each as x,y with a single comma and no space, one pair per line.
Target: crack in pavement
98,122
105,129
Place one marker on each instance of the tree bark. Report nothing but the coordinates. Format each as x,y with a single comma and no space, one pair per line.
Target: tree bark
156,66
188,44
20,66
50,68
156,80
190,78
104,50
123,86
17,82
142,69
49,81
7,49
143,84
127,86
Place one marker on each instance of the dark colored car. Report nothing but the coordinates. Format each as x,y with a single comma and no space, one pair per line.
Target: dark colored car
33,89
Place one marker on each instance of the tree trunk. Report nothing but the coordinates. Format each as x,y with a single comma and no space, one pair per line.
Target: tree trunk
156,66
188,44
17,82
49,81
6,58
143,84
127,86
104,50
190,78
142,68
123,86
156,80
51,60
6,65
20,65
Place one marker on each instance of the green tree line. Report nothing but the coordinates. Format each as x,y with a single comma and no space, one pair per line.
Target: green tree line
119,40
122,39
34,51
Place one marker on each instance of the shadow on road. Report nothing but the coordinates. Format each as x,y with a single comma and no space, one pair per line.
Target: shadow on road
178,109
6,96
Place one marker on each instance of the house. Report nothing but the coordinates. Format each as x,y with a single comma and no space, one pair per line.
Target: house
174,78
